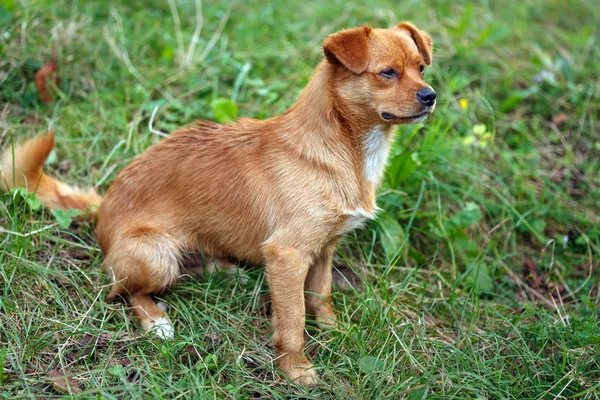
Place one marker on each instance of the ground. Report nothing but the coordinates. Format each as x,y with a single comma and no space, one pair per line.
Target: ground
479,280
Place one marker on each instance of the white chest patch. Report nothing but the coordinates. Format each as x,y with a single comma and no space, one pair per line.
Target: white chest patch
354,219
376,150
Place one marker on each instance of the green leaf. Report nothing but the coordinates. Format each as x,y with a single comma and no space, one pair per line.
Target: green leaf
539,224
30,198
3,353
415,157
7,8
516,97
469,140
117,370
33,202
51,160
493,33
463,243
211,361
392,236
370,364
65,217
479,278
469,215
156,103
479,129
224,110
8,5
418,394
167,53
400,168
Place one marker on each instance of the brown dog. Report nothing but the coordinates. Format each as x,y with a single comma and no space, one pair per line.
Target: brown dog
280,192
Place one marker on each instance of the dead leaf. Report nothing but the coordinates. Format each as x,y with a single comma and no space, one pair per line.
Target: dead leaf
124,361
79,254
212,341
82,349
345,279
557,291
46,74
265,302
61,280
559,120
531,276
62,383
558,175
191,355
313,348
89,343
31,119
133,376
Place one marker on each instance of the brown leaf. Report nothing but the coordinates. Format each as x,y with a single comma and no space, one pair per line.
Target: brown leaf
313,349
558,175
63,384
61,280
345,279
45,74
82,349
559,120
133,376
212,341
124,361
557,291
31,119
531,276
89,343
191,355
265,302
79,254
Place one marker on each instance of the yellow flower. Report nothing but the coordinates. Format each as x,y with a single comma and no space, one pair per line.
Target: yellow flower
463,103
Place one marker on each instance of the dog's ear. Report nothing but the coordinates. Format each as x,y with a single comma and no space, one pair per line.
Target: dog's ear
421,39
350,48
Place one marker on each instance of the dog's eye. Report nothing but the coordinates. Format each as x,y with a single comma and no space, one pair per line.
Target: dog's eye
421,68
389,73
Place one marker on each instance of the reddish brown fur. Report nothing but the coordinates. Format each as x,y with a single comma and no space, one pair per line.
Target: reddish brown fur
26,171
280,192
350,48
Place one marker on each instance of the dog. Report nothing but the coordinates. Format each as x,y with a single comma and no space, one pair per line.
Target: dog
280,192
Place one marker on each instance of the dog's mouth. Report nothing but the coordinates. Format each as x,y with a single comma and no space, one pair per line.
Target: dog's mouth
391,117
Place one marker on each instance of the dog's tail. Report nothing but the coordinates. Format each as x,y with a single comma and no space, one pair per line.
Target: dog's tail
21,166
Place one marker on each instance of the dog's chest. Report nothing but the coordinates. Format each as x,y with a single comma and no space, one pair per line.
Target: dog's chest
353,219
376,149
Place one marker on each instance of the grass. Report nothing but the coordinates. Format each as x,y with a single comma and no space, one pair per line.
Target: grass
480,280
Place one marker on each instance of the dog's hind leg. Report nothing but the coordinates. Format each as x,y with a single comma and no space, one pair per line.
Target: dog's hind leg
144,261
152,316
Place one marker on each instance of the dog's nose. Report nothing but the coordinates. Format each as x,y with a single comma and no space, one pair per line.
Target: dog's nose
426,96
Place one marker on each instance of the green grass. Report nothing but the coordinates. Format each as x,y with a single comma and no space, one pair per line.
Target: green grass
489,185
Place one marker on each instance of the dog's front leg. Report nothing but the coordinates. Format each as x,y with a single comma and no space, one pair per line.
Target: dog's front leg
286,269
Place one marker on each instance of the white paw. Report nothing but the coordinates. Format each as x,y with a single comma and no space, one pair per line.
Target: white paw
163,329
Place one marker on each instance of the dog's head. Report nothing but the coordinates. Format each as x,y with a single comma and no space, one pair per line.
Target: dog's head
380,72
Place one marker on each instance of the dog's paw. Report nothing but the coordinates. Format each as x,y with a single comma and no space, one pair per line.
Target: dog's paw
302,374
163,329
325,317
